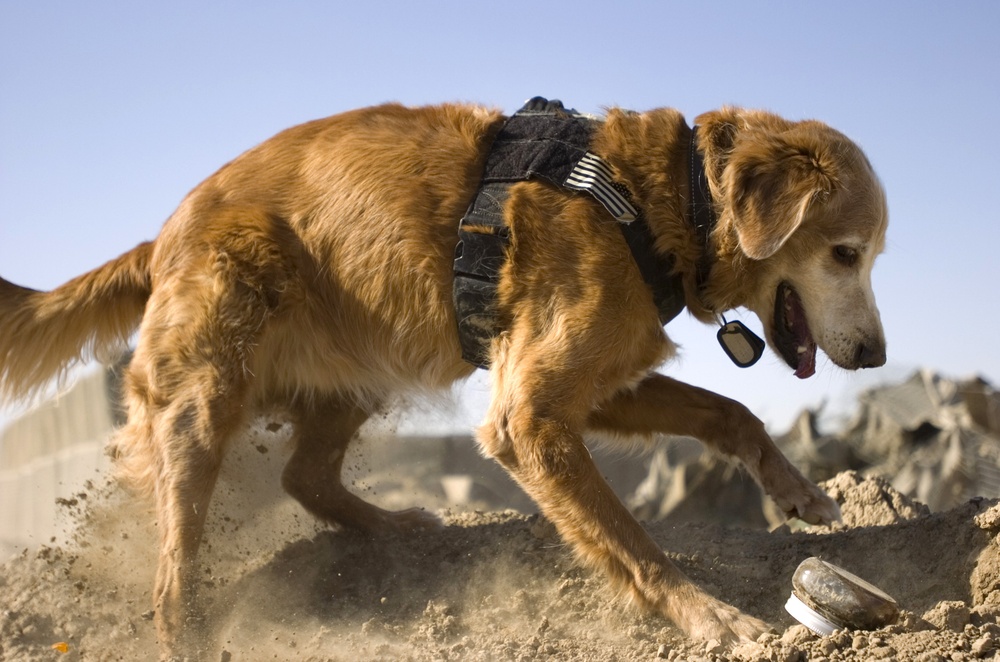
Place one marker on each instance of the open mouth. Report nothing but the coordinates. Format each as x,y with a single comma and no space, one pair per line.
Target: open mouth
792,337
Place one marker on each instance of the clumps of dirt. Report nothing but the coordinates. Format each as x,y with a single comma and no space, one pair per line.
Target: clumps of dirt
870,501
51,597
917,641
499,586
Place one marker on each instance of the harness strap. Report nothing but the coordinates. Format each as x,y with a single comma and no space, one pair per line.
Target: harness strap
542,140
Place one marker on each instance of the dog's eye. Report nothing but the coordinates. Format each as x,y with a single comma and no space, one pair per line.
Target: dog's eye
845,255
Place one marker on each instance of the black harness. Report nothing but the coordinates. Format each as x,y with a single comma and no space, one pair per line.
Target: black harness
545,140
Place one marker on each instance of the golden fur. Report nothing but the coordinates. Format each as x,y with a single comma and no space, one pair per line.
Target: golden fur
315,272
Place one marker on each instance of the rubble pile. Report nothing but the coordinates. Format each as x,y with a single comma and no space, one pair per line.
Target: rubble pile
932,439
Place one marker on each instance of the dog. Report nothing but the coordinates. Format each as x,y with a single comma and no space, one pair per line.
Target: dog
315,273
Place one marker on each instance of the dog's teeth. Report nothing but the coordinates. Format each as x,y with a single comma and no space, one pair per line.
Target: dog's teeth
801,350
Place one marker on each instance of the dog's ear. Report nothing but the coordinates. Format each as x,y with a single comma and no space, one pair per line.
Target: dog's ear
717,131
767,171
771,181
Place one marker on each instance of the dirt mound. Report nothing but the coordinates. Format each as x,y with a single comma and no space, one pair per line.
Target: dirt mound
870,501
498,586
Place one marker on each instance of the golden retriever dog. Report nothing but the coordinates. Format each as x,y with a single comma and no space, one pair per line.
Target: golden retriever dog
315,273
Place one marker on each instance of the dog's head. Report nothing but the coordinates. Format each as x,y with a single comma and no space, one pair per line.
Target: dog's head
802,217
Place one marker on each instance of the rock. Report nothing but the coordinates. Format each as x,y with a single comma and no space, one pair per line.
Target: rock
714,647
948,615
750,651
983,646
827,646
990,519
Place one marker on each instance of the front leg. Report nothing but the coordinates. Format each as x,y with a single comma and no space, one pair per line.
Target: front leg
533,429
663,405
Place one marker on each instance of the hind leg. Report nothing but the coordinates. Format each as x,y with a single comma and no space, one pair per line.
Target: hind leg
187,386
324,429
174,443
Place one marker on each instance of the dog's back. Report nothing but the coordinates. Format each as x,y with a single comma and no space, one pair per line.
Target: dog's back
345,225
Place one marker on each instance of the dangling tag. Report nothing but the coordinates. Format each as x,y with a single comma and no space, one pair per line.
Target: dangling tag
741,344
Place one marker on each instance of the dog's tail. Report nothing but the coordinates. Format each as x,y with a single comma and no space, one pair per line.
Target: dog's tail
44,333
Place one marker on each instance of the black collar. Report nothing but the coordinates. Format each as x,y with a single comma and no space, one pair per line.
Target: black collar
702,211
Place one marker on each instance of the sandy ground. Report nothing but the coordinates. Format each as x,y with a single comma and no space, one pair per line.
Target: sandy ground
489,585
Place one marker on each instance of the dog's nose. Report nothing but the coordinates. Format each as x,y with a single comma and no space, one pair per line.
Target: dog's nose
871,354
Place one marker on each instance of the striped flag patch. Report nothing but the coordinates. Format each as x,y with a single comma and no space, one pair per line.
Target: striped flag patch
593,175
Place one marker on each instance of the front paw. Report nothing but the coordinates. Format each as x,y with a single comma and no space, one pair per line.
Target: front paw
796,495
707,618
811,505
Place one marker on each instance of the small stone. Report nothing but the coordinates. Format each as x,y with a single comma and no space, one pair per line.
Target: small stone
841,638
797,634
910,622
989,519
881,653
948,615
714,647
543,626
986,614
827,646
750,651
983,646
860,641
661,652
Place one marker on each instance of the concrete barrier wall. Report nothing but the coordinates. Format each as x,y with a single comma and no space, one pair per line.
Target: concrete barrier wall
50,453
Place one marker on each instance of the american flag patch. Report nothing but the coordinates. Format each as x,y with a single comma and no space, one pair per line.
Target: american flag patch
593,175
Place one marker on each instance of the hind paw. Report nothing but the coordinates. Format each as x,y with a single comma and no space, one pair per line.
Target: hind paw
413,520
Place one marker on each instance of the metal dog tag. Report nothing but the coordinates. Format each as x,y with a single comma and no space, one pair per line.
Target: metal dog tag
741,344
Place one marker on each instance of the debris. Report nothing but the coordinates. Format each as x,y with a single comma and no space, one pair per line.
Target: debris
933,440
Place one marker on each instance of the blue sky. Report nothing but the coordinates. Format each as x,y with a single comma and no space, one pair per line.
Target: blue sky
111,111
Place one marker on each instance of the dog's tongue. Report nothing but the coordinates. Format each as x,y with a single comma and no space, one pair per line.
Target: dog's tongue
805,345
807,362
